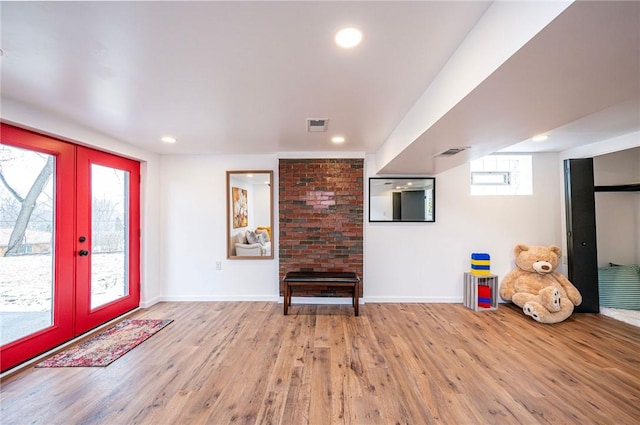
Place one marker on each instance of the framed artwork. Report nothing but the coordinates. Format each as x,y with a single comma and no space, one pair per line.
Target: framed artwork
240,208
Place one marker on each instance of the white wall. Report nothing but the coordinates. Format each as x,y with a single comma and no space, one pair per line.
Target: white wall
420,262
193,230
22,115
617,214
425,262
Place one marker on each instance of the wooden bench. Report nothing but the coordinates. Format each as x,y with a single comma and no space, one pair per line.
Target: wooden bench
323,279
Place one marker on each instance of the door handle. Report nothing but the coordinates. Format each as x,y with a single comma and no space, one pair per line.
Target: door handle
83,253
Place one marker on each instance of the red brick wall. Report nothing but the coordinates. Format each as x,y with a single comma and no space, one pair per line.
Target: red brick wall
320,218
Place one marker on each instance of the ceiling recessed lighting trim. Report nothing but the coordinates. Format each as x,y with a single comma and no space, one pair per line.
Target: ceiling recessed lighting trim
348,38
168,139
540,138
337,139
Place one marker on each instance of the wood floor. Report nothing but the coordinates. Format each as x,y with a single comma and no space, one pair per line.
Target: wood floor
246,363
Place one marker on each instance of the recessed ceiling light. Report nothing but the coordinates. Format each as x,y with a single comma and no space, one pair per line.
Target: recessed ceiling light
540,137
249,175
337,139
348,37
168,139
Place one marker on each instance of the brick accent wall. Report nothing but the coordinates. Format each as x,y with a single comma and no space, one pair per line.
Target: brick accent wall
320,217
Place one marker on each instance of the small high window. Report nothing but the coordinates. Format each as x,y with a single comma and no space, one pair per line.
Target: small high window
502,175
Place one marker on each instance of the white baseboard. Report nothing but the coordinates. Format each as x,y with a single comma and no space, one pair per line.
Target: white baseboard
302,300
421,300
195,298
151,302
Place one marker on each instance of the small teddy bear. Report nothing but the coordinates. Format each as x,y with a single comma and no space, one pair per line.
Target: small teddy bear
542,293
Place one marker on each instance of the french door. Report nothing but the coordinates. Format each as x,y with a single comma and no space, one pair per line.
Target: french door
69,241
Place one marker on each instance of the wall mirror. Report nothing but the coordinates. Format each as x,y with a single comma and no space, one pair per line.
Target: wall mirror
250,215
402,199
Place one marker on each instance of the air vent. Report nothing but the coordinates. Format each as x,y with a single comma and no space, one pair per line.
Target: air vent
452,151
317,125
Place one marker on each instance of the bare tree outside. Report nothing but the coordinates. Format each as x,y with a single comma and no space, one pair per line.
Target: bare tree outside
26,250
17,210
107,226
28,204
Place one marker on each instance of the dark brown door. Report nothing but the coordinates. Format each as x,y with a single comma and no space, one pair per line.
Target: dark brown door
582,251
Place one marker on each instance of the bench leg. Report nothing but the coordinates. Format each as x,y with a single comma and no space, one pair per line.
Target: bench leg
356,298
287,298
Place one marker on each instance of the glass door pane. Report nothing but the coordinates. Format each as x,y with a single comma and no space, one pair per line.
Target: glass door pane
26,242
108,237
109,227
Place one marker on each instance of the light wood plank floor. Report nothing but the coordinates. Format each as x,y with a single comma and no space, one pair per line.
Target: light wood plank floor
246,363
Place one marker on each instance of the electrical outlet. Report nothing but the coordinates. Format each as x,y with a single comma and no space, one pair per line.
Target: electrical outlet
218,265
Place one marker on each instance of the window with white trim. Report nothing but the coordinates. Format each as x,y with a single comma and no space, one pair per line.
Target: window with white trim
502,175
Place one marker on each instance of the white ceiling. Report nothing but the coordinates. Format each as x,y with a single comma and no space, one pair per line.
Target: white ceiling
243,77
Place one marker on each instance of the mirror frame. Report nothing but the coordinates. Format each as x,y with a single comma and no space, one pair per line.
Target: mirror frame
400,180
229,215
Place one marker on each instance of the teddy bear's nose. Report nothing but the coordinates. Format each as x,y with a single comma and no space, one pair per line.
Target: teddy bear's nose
542,266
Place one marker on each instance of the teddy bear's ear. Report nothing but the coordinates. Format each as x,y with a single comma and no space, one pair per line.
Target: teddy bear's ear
555,250
520,247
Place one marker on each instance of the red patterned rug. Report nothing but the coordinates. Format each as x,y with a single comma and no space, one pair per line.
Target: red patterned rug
107,346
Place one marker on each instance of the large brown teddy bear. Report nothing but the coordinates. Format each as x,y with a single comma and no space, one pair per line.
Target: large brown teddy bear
543,294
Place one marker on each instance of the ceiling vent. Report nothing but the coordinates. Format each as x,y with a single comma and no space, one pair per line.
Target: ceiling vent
317,125
453,151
